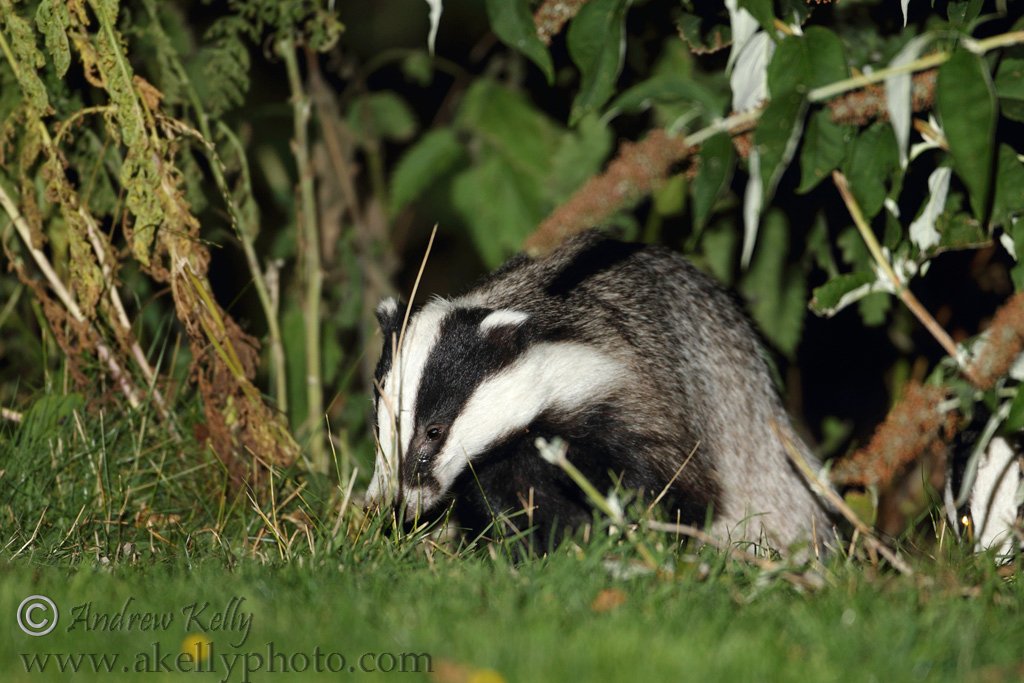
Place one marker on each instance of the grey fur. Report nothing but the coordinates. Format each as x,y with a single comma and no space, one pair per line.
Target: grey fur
697,388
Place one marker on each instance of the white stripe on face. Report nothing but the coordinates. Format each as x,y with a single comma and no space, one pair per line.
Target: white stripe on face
399,388
550,376
503,318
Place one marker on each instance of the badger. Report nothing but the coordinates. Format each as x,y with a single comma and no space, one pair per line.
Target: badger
642,364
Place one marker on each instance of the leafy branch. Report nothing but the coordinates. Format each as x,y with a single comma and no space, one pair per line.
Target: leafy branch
642,166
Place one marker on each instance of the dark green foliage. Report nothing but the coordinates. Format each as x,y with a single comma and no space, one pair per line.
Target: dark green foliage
513,23
716,165
805,62
869,163
595,45
777,137
967,107
822,149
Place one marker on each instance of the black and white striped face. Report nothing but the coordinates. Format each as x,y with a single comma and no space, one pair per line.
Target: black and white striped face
465,379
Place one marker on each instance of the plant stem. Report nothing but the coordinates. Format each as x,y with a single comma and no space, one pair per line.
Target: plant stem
309,239
118,374
839,504
829,91
270,310
904,293
245,232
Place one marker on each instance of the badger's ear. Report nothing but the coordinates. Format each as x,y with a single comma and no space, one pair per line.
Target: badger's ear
504,326
389,315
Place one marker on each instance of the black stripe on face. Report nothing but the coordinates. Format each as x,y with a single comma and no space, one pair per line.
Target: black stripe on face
463,357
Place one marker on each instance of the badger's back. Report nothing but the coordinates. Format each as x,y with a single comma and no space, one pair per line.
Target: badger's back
693,411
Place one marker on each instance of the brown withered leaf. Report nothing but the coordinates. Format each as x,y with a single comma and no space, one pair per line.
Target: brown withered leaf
607,600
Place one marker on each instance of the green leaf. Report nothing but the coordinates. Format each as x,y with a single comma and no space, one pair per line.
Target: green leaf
1015,418
670,198
963,13
578,155
1010,78
804,62
52,20
666,89
418,67
718,244
863,505
967,107
1012,109
824,146
433,156
841,291
874,307
793,11
705,34
382,116
777,136
595,42
26,58
868,166
959,229
500,207
762,11
835,432
717,161
1010,87
777,293
512,22
1009,195
1017,272
504,121
820,247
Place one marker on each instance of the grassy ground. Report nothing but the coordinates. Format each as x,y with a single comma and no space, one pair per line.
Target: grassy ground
110,520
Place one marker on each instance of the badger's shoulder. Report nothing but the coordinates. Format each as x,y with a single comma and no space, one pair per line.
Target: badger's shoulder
593,262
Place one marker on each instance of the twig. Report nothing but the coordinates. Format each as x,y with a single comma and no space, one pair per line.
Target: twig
344,502
396,345
416,286
35,532
554,452
122,319
913,425
829,91
668,485
552,15
260,279
118,374
840,505
900,287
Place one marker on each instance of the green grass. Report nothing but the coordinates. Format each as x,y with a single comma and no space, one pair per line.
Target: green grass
97,515
536,621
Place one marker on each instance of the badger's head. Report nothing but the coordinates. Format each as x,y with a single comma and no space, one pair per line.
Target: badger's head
465,379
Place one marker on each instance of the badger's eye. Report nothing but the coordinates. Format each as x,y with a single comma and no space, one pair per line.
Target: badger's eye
434,432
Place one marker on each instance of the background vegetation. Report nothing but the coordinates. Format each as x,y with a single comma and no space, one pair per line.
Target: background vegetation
202,202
